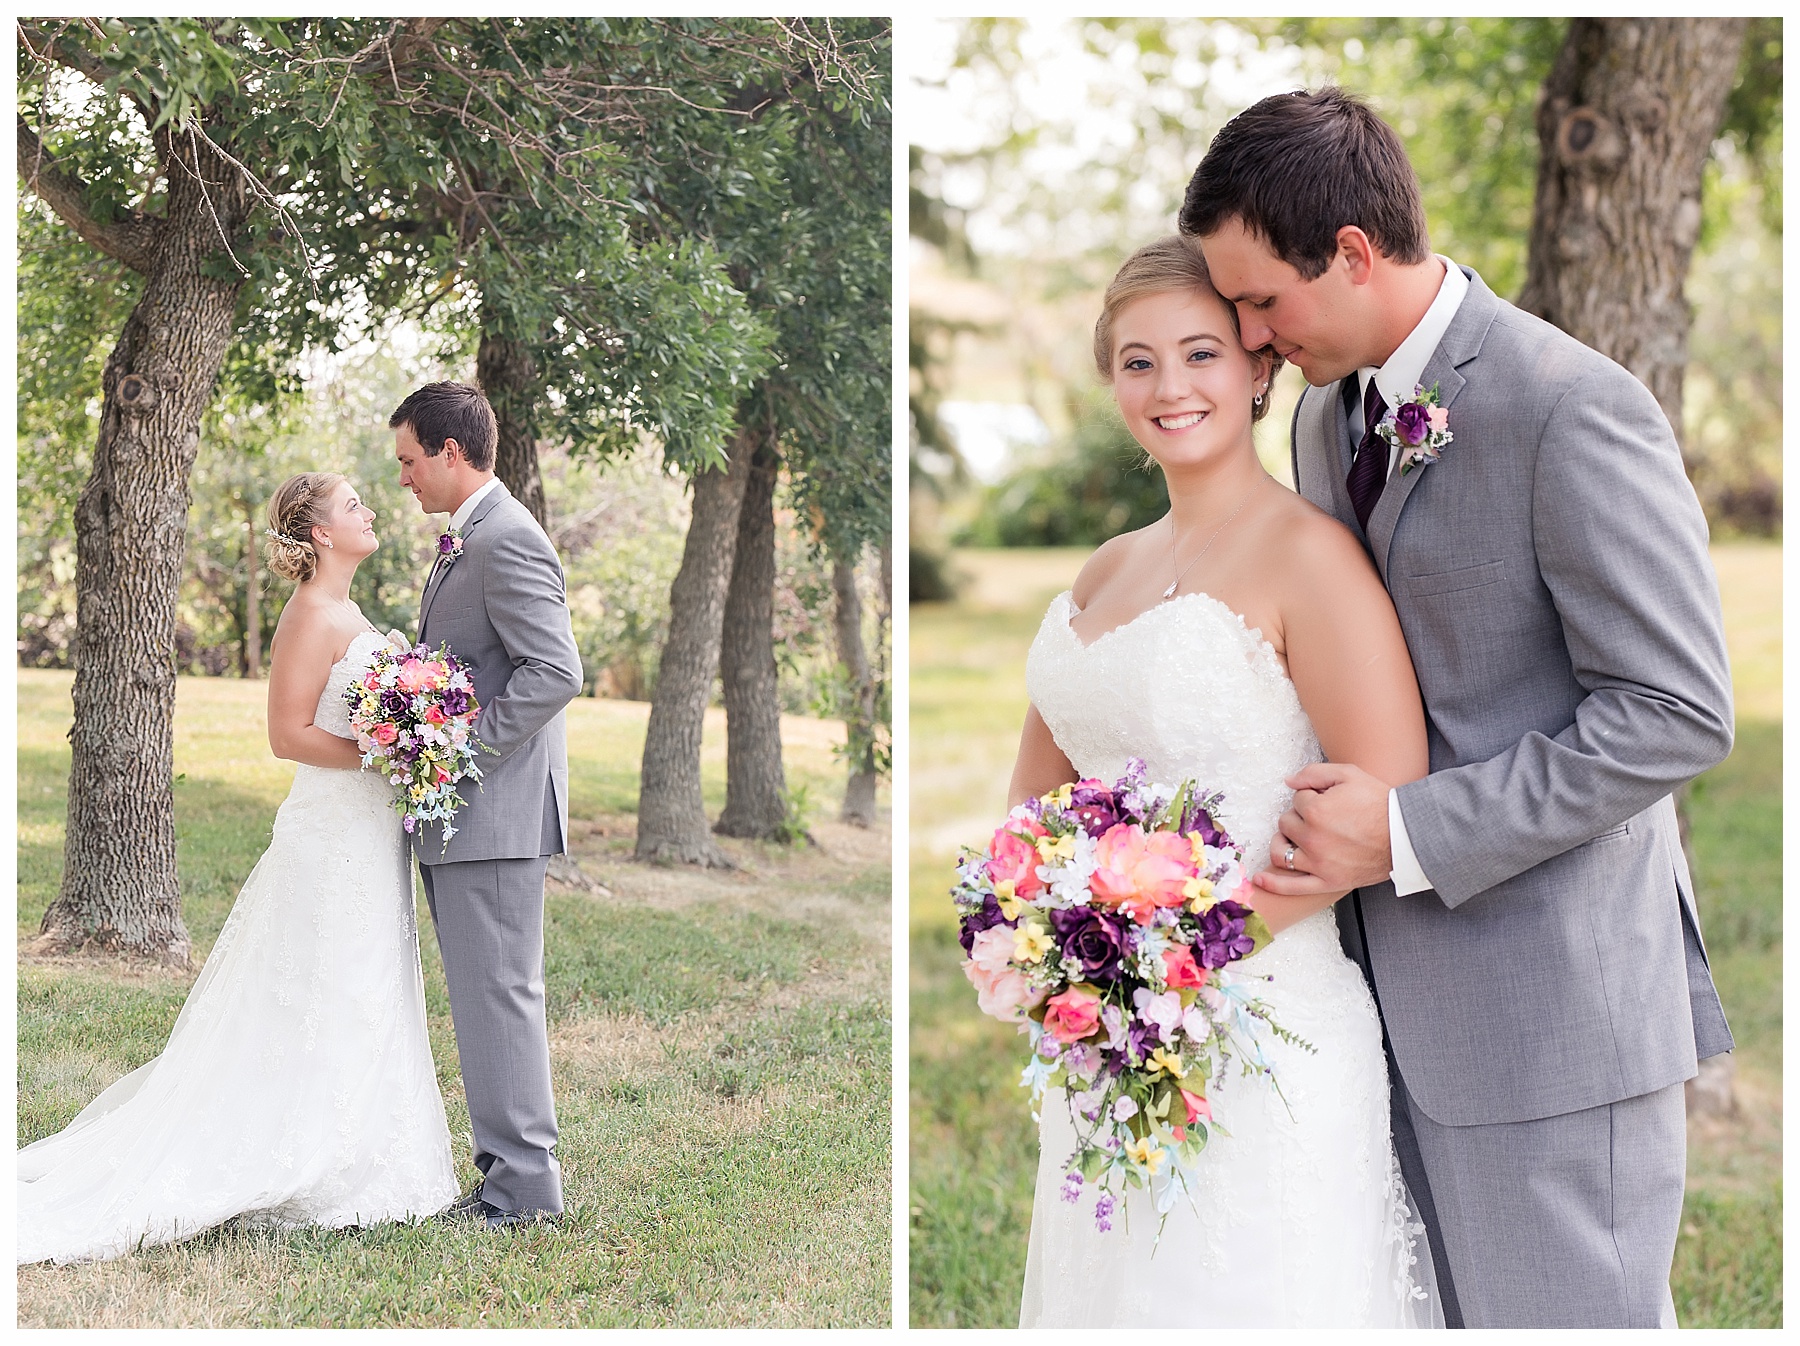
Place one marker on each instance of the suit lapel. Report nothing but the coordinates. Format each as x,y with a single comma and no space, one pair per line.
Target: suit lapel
440,570
432,581
1321,452
1461,344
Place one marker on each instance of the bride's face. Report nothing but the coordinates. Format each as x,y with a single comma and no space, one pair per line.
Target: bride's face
1182,379
347,525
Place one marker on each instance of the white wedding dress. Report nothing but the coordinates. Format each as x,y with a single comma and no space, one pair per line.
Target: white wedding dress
1297,1220
297,1087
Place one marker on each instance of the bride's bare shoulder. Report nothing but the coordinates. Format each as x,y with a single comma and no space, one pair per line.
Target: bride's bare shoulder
1109,558
308,631
1319,555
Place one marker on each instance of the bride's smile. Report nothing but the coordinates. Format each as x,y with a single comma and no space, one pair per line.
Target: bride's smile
1183,381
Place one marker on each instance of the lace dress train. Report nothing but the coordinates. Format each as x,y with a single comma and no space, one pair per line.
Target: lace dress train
1299,1216
297,1087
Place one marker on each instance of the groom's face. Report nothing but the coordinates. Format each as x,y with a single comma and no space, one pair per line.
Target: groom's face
1317,325
430,477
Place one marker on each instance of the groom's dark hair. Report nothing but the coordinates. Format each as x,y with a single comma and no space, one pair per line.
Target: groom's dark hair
1297,167
441,411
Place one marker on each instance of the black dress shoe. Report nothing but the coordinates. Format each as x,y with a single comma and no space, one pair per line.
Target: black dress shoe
507,1219
469,1206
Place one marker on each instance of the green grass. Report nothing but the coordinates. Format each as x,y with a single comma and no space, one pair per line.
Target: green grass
973,1145
719,1043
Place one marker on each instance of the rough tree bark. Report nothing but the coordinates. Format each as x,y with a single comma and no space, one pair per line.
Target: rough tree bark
755,782
671,824
859,718
508,374
119,887
1626,120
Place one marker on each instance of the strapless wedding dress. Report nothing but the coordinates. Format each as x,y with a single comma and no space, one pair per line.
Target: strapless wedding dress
297,1087
1299,1217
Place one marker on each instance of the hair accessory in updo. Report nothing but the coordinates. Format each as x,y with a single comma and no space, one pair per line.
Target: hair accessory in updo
299,504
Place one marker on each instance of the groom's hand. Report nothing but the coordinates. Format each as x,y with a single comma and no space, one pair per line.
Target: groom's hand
1338,829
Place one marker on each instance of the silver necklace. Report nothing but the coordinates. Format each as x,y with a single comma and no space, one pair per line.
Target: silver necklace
1181,574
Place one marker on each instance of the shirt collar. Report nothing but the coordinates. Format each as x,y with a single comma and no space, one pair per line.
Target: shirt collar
1406,366
464,510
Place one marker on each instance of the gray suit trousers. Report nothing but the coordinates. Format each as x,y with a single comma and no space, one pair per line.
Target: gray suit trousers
1538,1235
1526,1229
489,916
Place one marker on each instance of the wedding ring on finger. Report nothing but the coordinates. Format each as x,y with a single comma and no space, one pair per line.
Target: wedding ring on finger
1287,856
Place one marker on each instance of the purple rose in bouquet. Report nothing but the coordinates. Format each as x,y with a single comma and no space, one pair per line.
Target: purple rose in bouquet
1092,940
1092,805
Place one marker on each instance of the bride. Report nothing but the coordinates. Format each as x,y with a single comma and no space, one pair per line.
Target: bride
1235,640
297,1087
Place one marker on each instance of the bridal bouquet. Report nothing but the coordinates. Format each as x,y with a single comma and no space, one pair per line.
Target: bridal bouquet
412,713
1103,919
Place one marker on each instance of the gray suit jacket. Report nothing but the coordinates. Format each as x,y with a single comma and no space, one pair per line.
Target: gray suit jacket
500,608
1553,584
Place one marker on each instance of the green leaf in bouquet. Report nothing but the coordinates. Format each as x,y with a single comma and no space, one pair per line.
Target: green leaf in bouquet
1176,807
1259,932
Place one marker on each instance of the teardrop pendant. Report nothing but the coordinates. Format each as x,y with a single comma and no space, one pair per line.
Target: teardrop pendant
1170,591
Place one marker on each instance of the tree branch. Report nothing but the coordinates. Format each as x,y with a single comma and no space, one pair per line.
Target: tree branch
57,47
131,240
406,42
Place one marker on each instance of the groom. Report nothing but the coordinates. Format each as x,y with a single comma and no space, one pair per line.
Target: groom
1523,913
495,595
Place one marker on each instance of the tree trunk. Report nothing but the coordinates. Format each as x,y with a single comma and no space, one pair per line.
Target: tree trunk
755,784
671,815
859,711
1626,121
119,888
508,375
252,597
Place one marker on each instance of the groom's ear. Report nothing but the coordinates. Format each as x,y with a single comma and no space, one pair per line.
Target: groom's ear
1358,252
451,452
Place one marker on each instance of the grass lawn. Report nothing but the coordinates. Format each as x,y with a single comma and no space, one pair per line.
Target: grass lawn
719,1045
974,1148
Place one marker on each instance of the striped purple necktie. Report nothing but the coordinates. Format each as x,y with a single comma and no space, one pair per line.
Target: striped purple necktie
1368,471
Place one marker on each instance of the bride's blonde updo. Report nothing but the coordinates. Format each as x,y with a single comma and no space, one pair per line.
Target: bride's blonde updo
1171,263
299,504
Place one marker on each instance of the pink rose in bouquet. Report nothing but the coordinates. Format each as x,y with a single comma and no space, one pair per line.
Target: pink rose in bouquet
1139,872
1003,995
1015,861
1073,1015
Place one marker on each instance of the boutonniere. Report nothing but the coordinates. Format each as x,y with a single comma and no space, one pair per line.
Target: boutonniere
449,545
1420,429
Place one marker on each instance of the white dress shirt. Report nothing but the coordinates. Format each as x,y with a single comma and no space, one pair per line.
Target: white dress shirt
1395,380
464,510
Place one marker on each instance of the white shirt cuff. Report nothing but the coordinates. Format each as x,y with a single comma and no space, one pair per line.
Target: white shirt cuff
1406,874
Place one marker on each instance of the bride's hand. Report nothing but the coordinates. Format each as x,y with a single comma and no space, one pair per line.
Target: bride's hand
1279,912
397,640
